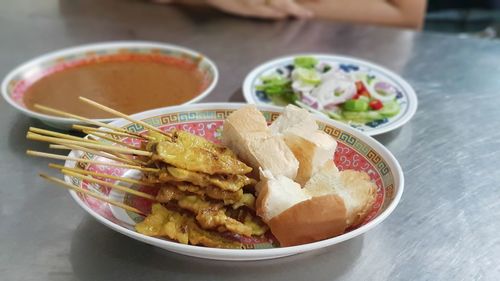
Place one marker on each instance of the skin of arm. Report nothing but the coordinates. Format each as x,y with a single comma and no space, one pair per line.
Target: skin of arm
402,13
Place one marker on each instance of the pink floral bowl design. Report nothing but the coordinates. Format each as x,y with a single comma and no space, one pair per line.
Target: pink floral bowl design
17,82
355,151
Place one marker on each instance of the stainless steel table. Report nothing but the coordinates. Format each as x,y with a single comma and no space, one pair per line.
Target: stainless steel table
447,226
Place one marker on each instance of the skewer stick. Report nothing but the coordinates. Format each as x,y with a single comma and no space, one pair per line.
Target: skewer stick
94,174
86,120
93,194
33,136
114,186
122,115
93,135
95,152
62,157
59,135
92,129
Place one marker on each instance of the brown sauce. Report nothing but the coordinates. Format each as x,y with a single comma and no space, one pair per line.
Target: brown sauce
129,86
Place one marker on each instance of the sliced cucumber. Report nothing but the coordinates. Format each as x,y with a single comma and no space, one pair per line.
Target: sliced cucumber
358,105
307,76
305,62
362,117
390,109
334,115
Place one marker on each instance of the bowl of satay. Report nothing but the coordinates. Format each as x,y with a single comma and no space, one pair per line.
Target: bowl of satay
130,76
226,181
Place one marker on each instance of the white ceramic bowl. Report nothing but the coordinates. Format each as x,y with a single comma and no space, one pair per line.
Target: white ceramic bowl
355,151
406,97
18,80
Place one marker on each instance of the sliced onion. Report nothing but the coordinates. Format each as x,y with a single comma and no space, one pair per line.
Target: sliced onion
382,90
309,101
325,92
299,87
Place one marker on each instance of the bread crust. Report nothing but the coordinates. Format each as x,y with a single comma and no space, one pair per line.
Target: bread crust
308,221
363,189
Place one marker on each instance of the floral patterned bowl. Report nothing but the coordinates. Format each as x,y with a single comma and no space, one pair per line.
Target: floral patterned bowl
17,82
405,97
355,151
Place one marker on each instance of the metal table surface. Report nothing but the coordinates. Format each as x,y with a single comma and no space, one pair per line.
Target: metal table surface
445,228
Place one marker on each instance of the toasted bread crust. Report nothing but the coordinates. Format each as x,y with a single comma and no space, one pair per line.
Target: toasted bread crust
308,221
364,190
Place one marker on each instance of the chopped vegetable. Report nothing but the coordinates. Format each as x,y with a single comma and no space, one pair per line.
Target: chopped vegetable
356,105
390,109
308,76
376,104
305,62
348,96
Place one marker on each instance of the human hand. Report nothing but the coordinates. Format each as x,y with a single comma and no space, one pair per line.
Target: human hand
273,9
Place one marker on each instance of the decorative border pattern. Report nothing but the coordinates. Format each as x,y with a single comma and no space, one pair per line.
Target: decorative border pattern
346,65
208,123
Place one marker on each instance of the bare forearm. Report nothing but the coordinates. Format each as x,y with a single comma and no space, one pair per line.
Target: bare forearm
404,13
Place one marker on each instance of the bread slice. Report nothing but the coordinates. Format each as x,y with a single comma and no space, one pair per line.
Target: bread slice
294,119
311,147
245,132
311,220
247,119
354,187
276,194
295,217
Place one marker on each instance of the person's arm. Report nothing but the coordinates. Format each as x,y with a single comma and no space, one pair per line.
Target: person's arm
270,9
403,13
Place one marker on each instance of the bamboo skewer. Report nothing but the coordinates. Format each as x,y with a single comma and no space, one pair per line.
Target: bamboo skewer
93,135
95,174
59,135
92,129
114,186
62,157
87,120
33,136
95,152
122,115
92,194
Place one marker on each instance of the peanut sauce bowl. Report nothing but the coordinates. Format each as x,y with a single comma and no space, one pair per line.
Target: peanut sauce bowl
355,150
21,85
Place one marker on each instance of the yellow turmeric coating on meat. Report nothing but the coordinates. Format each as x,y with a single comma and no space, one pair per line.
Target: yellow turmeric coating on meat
163,222
194,153
209,214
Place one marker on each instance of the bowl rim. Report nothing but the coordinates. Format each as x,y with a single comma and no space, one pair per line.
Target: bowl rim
93,47
407,88
226,254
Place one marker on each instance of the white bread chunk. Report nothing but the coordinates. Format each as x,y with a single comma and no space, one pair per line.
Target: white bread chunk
295,217
247,119
354,187
246,133
276,194
311,147
294,119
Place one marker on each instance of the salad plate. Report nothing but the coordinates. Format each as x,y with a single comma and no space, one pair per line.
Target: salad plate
355,151
361,94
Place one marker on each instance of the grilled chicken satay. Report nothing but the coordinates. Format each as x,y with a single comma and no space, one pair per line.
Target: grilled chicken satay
230,183
183,228
209,214
194,153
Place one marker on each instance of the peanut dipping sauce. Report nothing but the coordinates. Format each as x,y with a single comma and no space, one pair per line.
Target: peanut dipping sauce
128,84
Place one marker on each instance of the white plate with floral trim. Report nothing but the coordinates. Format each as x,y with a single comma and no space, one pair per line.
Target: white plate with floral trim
404,94
354,151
